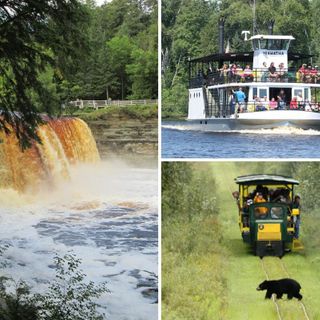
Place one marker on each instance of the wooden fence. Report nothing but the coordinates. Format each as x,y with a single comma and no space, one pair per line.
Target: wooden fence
96,104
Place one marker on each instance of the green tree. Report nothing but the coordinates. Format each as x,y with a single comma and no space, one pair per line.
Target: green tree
28,29
119,55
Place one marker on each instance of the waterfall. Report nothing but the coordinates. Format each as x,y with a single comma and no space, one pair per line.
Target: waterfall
64,142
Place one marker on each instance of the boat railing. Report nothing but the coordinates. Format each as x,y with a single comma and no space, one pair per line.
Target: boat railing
254,105
229,110
226,76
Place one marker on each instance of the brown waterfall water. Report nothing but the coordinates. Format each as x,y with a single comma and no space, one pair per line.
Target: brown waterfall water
65,142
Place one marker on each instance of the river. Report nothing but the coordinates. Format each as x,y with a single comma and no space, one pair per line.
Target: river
106,213
179,142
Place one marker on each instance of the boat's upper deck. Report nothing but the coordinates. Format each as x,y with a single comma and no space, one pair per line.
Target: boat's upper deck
237,74
268,62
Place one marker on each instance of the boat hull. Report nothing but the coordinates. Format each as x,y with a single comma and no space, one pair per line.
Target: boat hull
258,120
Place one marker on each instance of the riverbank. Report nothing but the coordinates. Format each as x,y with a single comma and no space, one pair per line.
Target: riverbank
130,131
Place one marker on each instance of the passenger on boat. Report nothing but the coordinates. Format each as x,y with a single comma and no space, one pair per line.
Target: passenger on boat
264,72
307,106
307,74
301,73
273,104
282,72
282,100
314,105
259,104
294,104
300,101
239,72
232,102
247,74
240,98
224,72
232,75
273,75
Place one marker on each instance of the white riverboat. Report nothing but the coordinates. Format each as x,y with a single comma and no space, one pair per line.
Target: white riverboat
284,94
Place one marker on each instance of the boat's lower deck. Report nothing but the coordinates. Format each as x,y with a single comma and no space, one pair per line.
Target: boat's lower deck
259,120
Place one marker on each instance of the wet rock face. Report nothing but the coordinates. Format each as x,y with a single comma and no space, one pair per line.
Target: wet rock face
121,135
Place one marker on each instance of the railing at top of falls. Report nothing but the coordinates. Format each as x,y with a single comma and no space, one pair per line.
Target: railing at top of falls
96,104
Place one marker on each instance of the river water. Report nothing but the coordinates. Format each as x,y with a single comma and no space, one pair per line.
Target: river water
180,142
107,215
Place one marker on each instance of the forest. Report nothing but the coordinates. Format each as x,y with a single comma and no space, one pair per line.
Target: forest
190,30
207,270
53,52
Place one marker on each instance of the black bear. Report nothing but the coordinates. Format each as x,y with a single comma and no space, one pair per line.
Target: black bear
280,287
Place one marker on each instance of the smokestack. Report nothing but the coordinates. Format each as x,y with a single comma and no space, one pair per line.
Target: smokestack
221,35
270,27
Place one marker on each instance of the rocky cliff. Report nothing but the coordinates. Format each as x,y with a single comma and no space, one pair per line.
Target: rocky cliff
122,133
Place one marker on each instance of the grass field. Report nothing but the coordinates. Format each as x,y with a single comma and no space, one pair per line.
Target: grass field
237,272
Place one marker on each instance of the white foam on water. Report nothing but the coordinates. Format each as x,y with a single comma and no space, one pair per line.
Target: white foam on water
282,131
106,214
275,131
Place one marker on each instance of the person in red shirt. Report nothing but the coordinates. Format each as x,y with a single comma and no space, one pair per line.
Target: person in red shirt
294,104
302,72
307,74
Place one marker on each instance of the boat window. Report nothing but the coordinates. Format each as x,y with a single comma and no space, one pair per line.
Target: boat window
255,44
306,94
276,212
263,44
276,44
260,212
263,92
254,92
297,92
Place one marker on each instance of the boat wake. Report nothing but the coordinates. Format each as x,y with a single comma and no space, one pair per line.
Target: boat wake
274,131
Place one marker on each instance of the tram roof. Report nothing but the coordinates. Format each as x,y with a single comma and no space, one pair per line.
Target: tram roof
264,179
243,57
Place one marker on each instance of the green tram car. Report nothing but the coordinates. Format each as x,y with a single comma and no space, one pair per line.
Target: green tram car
267,222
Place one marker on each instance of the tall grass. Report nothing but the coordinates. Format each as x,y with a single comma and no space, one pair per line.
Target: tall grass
191,238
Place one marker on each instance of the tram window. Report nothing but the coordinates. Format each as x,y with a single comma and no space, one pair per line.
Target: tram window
306,94
276,213
260,212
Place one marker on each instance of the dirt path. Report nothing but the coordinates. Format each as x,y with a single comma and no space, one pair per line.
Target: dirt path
245,271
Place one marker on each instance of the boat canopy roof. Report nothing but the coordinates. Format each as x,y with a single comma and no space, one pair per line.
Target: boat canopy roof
265,179
272,37
243,57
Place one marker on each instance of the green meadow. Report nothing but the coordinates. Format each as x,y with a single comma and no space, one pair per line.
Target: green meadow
207,271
